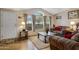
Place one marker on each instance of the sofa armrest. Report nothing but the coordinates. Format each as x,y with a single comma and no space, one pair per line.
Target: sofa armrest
76,46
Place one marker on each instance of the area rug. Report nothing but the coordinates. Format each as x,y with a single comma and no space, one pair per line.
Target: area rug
38,44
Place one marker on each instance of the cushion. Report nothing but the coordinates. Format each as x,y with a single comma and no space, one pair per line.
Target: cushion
58,28
75,37
68,36
61,43
76,46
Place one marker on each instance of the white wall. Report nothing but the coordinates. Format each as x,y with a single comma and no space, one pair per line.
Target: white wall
34,10
8,24
0,24
20,20
64,21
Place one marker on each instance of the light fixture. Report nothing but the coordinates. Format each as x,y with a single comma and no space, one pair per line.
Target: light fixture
72,22
23,23
21,27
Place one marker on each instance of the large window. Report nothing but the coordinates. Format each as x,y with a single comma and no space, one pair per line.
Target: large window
39,22
29,22
48,22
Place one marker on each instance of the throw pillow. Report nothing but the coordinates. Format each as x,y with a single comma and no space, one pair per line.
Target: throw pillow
75,37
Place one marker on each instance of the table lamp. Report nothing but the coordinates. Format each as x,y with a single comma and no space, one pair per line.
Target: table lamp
72,24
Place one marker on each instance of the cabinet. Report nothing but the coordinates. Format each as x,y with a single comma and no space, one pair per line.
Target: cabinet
73,14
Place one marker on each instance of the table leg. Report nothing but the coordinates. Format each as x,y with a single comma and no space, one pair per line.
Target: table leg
38,35
45,39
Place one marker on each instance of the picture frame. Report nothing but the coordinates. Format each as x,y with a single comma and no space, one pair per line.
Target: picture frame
58,17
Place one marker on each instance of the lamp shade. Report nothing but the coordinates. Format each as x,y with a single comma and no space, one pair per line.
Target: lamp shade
23,23
72,22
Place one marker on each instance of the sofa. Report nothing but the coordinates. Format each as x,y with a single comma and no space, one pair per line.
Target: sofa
61,31
60,28
61,43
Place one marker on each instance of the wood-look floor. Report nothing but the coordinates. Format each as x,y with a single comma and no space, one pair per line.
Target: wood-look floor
21,45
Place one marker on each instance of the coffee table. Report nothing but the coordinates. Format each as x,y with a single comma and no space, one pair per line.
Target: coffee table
43,36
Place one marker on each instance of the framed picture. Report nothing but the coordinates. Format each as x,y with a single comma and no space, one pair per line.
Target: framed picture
58,17
73,14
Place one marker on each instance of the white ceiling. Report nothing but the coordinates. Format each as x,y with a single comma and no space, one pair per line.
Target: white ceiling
50,10
59,10
56,10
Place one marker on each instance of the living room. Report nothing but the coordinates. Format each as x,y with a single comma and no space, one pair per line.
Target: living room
39,28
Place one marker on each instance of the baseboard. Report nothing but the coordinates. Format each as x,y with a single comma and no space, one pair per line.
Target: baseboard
9,39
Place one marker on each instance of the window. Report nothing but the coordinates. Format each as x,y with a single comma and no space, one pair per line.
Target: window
29,22
48,22
39,22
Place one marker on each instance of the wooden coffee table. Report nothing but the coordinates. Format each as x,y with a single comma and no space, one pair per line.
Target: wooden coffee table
43,36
